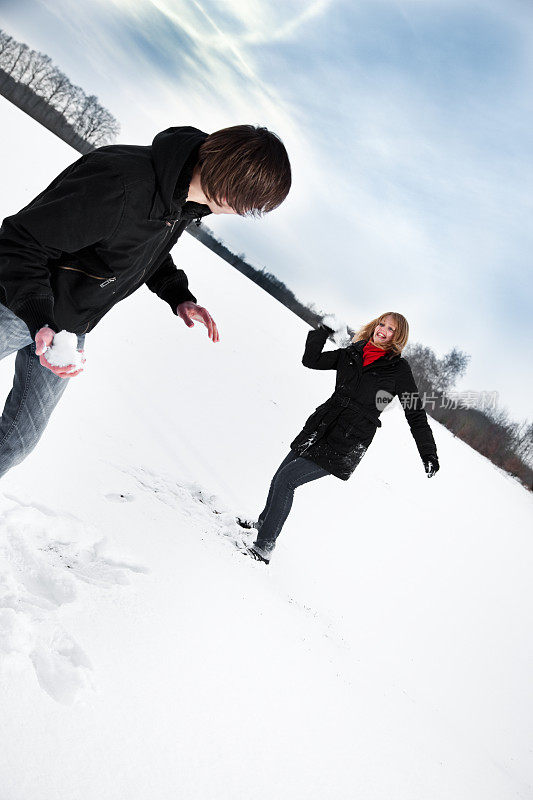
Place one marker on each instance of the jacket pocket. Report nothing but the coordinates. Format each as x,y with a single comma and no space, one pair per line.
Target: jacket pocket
348,431
79,295
316,417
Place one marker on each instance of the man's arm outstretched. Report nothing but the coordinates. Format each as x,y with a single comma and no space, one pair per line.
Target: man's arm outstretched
171,285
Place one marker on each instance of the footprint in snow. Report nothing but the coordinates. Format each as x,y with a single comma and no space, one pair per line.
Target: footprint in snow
120,498
62,668
190,499
45,558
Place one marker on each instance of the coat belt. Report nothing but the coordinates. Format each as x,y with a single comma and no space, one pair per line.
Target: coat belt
348,402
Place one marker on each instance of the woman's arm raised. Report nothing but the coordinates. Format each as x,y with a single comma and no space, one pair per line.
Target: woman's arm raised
313,357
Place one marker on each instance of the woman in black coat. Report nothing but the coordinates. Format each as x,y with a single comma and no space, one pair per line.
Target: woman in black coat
370,373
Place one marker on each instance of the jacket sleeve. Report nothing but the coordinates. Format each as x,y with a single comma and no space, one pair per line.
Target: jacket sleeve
170,284
407,391
82,206
313,357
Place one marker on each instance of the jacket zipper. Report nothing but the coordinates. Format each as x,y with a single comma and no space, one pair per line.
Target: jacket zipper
106,281
168,234
158,250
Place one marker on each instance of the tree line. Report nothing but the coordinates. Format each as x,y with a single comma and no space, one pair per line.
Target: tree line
486,427
36,72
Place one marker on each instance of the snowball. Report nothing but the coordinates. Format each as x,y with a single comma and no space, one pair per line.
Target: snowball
63,351
340,330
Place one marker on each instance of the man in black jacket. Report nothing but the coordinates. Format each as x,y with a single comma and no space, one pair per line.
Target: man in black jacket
103,228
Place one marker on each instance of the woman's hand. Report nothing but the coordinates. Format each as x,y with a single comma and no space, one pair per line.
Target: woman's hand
431,465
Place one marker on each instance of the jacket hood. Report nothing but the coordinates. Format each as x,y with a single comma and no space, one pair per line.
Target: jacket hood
174,155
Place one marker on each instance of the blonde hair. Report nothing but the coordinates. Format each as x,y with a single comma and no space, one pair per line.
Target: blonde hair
401,334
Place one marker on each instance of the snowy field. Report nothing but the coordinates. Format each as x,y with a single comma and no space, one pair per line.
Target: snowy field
385,654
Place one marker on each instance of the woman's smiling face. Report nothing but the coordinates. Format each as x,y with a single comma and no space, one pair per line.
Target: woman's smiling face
384,332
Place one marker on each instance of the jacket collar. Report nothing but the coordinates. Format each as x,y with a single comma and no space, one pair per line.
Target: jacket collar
174,156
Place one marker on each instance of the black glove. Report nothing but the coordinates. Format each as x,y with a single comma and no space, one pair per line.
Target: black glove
431,465
322,327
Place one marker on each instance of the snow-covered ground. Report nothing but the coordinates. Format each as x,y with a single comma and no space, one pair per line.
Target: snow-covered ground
385,654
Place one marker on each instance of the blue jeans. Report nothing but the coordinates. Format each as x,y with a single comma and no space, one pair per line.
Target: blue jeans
35,393
291,473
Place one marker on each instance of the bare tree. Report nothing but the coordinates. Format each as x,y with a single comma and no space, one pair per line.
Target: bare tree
524,444
451,367
76,103
40,69
8,48
7,44
23,64
94,123
85,111
106,130
58,91
35,70
435,374
17,53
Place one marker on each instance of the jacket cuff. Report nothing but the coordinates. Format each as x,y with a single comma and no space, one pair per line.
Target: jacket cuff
174,295
37,312
425,452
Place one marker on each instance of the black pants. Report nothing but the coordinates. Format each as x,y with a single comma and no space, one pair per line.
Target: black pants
292,472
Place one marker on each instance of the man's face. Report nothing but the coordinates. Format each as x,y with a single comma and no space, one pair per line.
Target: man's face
197,195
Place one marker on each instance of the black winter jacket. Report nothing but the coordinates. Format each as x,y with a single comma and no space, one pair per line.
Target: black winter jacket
102,228
337,435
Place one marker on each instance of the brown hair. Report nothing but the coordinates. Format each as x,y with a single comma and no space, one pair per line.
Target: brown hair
401,334
247,167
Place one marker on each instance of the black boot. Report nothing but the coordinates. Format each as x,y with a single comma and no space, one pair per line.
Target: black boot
253,553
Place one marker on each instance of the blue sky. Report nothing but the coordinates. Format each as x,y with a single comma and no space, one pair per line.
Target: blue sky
408,123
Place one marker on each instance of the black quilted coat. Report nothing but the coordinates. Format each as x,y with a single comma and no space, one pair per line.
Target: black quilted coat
338,433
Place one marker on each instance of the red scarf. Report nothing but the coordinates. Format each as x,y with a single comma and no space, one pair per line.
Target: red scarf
371,353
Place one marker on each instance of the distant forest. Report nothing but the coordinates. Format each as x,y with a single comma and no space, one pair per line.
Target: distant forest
475,419
31,81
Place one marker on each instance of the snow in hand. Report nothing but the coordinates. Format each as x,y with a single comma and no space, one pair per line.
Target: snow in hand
63,351
340,337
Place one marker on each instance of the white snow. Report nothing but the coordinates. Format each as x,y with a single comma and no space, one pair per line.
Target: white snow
341,337
385,653
64,352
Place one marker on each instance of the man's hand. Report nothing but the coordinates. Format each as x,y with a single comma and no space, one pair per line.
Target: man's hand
43,339
189,311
